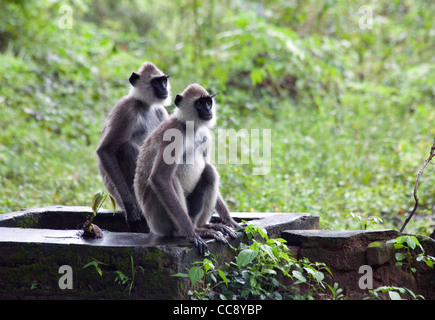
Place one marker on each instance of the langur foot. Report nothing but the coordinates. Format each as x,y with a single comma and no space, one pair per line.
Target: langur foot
210,233
140,226
199,243
225,230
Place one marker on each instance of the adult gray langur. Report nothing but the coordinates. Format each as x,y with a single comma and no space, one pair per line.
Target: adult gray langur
130,121
176,185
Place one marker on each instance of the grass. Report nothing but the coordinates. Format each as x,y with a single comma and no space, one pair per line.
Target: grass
349,136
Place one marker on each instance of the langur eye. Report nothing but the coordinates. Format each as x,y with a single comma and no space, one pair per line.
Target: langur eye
198,104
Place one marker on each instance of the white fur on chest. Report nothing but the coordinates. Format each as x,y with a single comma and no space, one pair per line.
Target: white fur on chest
193,164
146,121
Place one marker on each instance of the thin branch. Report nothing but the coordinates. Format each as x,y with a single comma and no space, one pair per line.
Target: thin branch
431,155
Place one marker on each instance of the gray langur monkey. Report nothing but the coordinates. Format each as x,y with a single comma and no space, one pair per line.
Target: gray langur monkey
128,124
176,185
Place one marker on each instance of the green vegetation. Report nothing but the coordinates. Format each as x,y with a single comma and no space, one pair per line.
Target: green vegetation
351,110
408,243
263,269
394,293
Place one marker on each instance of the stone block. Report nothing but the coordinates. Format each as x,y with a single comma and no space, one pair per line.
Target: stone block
379,252
343,250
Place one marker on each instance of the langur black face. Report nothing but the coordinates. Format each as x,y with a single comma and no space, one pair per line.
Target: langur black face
196,104
150,84
204,106
160,86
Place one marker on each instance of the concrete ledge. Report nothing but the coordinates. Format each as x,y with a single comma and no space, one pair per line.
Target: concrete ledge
34,243
330,239
346,251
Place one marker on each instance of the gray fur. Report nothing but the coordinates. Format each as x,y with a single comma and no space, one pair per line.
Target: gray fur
162,188
128,124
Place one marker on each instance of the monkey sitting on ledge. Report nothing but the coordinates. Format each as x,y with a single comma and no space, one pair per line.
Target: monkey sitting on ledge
128,124
175,184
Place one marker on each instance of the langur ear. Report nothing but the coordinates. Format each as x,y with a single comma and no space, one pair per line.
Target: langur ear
178,99
133,78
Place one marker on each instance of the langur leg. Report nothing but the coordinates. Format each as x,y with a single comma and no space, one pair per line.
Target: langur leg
202,201
126,158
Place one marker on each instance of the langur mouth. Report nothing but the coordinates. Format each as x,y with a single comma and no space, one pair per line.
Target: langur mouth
162,96
207,117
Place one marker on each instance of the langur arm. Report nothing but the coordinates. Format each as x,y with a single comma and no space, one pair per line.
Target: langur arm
162,114
112,169
221,207
111,142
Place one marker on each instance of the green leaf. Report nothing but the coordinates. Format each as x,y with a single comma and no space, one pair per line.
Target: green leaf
96,201
399,256
268,271
269,250
208,265
92,263
195,274
112,200
224,278
180,275
245,257
212,277
411,242
263,233
398,246
319,276
96,265
394,295
417,243
257,76
298,275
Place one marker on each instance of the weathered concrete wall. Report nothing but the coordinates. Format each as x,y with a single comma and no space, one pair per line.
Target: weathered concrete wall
30,256
344,252
35,243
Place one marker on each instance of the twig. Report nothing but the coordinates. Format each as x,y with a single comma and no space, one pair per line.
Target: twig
431,155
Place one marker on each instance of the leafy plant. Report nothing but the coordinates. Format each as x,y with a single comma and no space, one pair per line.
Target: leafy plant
394,293
96,265
260,271
120,277
363,221
123,279
201,279
336,292
409,244
98,201
89,228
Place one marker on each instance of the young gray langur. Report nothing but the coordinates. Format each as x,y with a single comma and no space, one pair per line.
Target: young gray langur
176,185
130,121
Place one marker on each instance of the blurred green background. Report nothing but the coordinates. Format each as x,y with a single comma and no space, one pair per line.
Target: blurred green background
351,108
